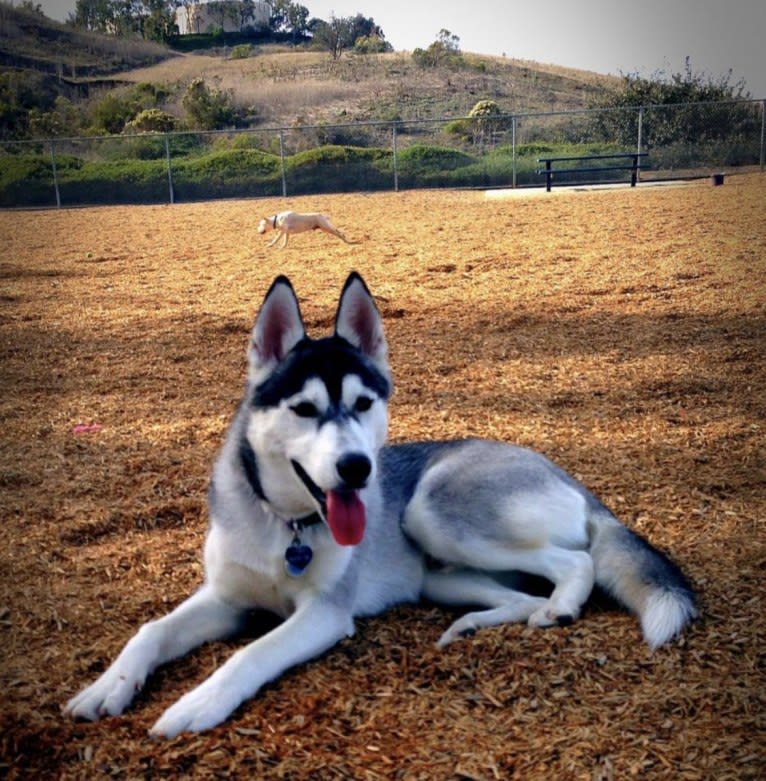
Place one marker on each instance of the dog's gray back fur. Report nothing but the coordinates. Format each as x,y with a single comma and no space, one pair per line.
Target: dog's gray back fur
471,500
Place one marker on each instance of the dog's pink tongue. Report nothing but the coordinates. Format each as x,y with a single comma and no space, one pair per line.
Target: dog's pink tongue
346,516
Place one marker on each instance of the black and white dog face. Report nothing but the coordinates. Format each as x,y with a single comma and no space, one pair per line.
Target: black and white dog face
318,411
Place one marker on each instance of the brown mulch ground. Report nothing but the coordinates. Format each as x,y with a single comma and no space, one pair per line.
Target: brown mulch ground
620,332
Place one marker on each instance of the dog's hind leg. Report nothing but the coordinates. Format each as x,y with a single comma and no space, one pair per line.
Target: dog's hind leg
467,587
343,238
570,571
200,618
496,509
337,233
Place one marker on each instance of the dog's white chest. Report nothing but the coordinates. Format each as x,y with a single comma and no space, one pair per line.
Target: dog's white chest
249,570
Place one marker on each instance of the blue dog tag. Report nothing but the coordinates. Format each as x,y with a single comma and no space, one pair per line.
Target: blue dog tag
297,558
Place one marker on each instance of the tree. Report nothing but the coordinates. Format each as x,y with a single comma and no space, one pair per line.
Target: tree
297,21
94,15
32,7
223,11
291,17
159,24
245,13
445,50
335,35
363,27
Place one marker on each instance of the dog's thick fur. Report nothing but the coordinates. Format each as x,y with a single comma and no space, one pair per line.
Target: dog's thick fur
287,223
314,519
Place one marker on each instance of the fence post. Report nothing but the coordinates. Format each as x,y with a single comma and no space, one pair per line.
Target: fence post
56,178
763,133
396,167
640,138
513,152
282,162
170,172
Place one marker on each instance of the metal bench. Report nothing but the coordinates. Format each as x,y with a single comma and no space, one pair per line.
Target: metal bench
633,167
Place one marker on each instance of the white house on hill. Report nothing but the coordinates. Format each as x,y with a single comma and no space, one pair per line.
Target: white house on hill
231,15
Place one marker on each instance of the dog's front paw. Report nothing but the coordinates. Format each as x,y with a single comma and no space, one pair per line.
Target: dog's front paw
202,708
463,627
107,696
554,614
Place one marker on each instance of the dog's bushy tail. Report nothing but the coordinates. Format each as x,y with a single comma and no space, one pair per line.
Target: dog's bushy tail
640,577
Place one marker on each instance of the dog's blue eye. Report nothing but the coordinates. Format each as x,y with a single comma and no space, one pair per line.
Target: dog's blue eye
363,403
305,410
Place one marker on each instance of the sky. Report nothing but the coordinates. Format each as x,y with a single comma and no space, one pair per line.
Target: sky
605,36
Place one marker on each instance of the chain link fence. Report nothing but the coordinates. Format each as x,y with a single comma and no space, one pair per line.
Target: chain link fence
682,141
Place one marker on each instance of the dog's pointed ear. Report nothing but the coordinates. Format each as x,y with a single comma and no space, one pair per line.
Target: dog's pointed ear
358,321
278,328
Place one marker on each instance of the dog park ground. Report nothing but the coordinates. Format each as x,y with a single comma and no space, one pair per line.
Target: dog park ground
620,332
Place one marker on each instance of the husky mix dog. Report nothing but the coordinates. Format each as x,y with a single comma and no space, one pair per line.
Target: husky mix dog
314,519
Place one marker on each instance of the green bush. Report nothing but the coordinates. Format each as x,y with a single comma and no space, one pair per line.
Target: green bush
151,120
208,109
461,128
118,181
339,169
27,179
241,51
110,114
422,158
227,174
114,111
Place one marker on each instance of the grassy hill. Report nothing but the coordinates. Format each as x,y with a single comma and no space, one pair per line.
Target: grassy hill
278,84
31,41
284,85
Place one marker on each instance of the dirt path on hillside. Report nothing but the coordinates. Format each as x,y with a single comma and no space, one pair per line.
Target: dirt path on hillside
620,332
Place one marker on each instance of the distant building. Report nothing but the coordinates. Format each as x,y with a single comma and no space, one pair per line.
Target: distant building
231,15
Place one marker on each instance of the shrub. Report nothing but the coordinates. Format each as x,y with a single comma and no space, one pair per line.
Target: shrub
228,174
208,109
117,181
422,158
114,111
339,169
249,141
151,120
63,120
241,51
372,44
462,128
110,114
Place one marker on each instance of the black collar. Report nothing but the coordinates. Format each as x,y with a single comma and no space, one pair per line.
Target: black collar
304,523
274,225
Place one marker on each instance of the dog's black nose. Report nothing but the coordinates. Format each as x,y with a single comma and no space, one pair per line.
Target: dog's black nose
354,469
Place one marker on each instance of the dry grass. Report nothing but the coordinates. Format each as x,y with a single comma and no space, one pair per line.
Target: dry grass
281,85
620,332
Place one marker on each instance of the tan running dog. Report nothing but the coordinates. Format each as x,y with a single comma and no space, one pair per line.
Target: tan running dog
287,223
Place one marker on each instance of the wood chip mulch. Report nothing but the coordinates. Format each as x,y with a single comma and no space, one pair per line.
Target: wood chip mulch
621,332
